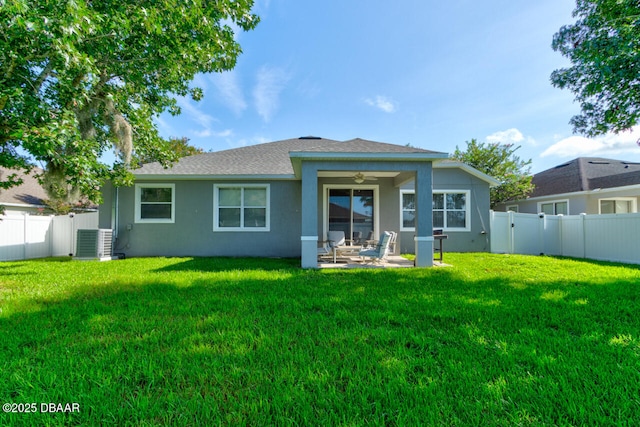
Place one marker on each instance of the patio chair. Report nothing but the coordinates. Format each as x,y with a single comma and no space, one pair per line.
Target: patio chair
392,242
378,253
335,238
325,250
335,245
356,238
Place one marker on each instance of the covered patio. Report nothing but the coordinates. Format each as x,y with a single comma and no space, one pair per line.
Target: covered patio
318,170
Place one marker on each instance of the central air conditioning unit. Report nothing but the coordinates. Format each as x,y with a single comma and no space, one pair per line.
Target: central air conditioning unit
94,244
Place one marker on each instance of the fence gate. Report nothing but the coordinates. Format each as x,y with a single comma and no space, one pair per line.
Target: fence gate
610,237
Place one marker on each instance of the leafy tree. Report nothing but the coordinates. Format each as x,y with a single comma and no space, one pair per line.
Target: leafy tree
604,48
78,77
179,147
500,162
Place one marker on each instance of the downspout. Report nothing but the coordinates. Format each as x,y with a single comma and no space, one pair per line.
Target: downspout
116,221
114,218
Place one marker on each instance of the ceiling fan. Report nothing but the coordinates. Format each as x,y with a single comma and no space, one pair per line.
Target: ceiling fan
359,178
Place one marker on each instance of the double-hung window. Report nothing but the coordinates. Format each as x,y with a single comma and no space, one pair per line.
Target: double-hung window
450,210
408,200
155,203
241,207
560,207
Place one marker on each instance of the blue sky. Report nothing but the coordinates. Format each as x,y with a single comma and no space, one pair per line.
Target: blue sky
433,74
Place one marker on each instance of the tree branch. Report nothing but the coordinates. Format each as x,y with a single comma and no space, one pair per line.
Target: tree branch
46,72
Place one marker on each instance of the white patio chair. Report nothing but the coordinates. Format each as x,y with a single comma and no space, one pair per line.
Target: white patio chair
378,253
392,243
334,244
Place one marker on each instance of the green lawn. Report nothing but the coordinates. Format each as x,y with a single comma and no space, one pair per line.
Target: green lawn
492,340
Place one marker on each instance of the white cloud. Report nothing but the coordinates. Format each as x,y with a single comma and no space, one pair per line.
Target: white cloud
264,4
193,113
204,120
509,136
230,91
506,136
271,81
163,125
605,146
383,103
208,132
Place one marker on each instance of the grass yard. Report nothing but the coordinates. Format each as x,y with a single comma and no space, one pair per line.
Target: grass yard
494,340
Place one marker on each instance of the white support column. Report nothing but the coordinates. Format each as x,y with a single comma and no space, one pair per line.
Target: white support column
424,251
309,247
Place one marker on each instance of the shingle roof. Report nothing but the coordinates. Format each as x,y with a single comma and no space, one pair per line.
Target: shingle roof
29,193
585,173
270,158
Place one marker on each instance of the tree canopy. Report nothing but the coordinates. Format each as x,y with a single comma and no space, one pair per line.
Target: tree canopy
500,162
79,77
604,48
180,147
64,197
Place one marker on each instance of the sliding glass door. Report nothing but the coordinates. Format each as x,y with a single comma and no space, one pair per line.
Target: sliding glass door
351,210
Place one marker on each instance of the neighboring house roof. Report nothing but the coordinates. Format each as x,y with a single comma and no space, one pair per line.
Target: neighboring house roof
30,193
274,159
584,174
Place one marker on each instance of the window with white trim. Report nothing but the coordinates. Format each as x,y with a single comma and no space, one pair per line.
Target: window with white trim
512,208
241,207
559,207
408,206
450,210
618,205
155,203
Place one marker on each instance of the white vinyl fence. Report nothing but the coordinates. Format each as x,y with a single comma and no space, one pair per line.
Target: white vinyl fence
614,237
25,236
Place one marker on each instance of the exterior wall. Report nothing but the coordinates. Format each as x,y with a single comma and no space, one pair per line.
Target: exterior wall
577,204
105,214
475,240
192,232
584,202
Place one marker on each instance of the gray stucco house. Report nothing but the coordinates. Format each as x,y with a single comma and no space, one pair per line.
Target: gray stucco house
591,185
279,199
